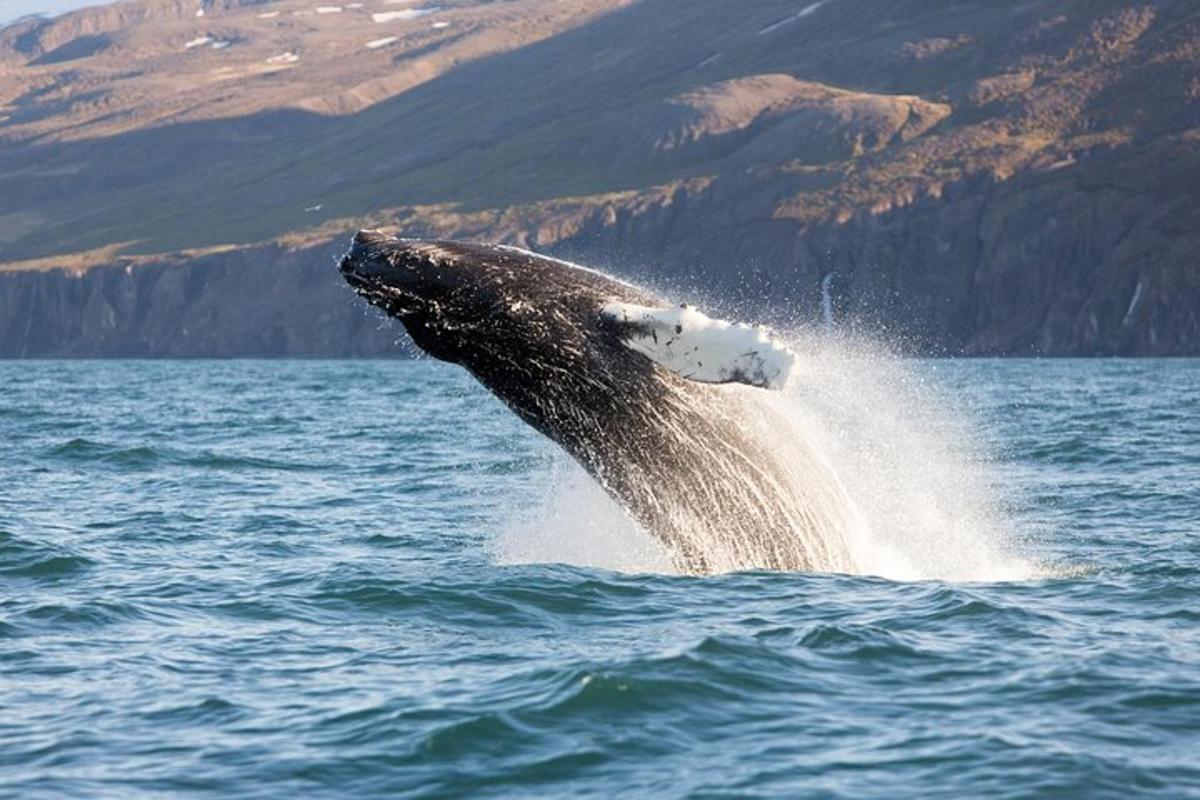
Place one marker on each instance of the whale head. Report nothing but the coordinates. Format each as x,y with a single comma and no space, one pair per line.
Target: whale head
486,307
502,311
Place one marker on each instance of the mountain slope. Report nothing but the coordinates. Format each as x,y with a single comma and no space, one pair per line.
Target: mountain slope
981,178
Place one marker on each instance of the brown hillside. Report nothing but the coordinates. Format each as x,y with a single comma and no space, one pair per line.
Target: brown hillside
980,177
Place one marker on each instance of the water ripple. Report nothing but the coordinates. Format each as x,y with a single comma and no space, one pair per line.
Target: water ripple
255,579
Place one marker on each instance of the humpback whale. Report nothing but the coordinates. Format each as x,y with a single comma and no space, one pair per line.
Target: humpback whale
658,402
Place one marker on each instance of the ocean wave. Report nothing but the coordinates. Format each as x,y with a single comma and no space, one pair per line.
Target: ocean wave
21,558
142,457
203,598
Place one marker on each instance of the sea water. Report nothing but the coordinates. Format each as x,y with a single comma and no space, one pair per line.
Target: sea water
369,579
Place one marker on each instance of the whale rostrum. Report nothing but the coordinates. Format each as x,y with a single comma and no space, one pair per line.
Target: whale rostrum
665,407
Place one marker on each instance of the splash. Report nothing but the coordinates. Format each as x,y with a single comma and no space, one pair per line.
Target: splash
909,472
913,467
577,523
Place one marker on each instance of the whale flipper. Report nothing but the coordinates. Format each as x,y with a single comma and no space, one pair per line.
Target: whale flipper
700,348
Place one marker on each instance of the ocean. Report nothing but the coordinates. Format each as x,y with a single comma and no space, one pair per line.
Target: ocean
256,579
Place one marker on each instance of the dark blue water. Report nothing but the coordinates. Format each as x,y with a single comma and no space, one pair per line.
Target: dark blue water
248,579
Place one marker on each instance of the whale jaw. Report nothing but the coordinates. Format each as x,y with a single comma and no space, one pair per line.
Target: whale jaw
384,270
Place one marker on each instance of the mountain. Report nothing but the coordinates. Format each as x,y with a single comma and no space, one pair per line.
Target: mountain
974,177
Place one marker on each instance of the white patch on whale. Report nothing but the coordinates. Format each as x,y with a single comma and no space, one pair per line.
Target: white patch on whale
700,348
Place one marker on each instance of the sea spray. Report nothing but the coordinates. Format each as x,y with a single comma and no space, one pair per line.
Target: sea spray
576,522
910,461
897,465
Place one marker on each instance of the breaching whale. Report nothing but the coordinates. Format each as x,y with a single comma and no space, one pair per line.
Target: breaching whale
655,401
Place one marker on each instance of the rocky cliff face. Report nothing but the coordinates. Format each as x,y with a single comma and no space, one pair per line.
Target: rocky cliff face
264,302
1071,259
982,179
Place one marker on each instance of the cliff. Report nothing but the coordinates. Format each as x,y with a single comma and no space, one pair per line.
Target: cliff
981,179
262,302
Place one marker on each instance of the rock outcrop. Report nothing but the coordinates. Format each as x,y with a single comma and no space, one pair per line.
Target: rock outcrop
260,302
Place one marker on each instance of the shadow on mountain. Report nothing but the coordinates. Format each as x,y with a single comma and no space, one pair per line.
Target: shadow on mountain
566,116
82,47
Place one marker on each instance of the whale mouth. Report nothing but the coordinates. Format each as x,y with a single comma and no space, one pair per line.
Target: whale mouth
374,274
393,299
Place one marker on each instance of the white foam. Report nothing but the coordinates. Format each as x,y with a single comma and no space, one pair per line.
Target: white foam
911,464
384,42
698,347
220,45
576,523
268,15
199,41
329,9
440,24
284,58
921,497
